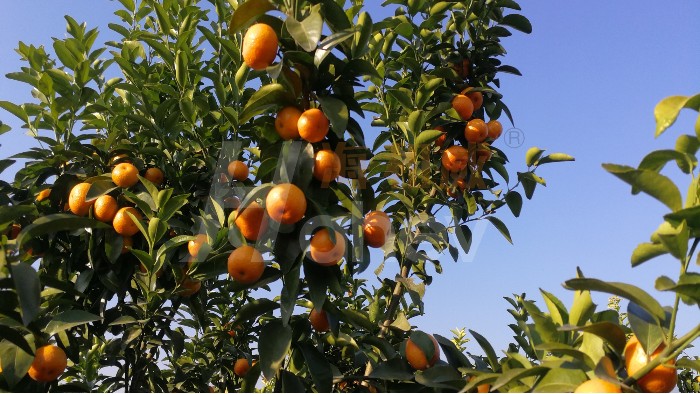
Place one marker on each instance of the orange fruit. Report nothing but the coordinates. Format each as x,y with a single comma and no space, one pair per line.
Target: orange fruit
14,231
462,68
105,208
661,379
597,385
49,363
319,320
455,158
125,175
495,129
252,221
155,175
260,46
76,199
477,98
123,224
326,166
285,203
313,125
43,195
232,202
286,123
324,251
476,131
246,265
482,388
194,246
463,105
376,228
188,286
417,358
241,367
127,244
441,139
238,170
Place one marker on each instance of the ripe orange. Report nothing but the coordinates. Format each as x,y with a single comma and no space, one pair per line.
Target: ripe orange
482,388
238,170
246,265
241,367
105,208
286,123
324,251
419,360
441,139
376,228
455,158
463,105
313,125
125,175
252,222
260,46
326,166
43,195
194,246
122,222
319,320
477,98
49,363
661,379
476,131
189,286
285,203
597,385
495,129
127,244
76,199
155,175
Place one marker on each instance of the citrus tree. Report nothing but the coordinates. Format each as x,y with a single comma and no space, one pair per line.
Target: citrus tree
218,148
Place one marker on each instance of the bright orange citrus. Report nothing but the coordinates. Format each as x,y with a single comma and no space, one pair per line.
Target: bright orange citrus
76,199
43,195
455,158
324,251
441,139
194,246
463,105
477,98
123,224
246,265
49,363
376,228
476,131
319,320
417,359
238,170
286,123
285,203
597,385
661,379
252,222
125,175
495,129
241,367
155,175
188,286
326,166
313,125
105,208
260,46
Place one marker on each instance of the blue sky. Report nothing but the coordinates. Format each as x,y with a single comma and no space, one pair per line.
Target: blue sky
593,72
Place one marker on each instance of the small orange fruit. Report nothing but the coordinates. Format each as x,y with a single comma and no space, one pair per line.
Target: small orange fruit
417,358
238,170
661,379
252,221
155,175
376,228
241,367
286,123
125,175
323,250
477,98
597,385
441,139
319,320
195,245
463,105
76,199
123,224
455,158
313,125
476,131
326,166
189,286
246,265
285,203
105,208
127,244
49,363
260,46
43,195
495,129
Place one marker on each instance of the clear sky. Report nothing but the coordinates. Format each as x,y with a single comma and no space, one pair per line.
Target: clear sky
593,72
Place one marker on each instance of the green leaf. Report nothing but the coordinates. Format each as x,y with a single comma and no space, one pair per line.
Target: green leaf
275,340
688,286
610,332
440,376
555,158
464,237
501,227
557,310
488,349
50,224
560,380
99,188
517,22
10,213
306,33
667,110
647,251
656,160
172,206
320,368
674,237
689,215
515,202
516,374
15,110
290,290
69,319
426,137
15,338
337,112
648,330
28,290
266,97
248,12
532,155
15,363
392,369
630,292
402,97
253,309
454,357
650,182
